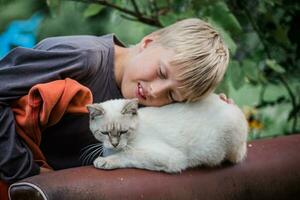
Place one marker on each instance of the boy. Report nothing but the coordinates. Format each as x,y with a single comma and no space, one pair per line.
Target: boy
182,62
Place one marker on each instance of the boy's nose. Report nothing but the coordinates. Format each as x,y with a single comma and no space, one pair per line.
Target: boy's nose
158,88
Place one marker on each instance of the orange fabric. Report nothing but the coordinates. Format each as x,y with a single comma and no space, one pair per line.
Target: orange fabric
3,190
44,106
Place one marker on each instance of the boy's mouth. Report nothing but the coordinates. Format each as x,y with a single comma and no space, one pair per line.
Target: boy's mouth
140,92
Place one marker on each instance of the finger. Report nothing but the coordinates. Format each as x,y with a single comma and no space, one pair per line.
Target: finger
45,170
223,96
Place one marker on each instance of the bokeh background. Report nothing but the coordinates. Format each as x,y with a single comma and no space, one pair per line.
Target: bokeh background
263,76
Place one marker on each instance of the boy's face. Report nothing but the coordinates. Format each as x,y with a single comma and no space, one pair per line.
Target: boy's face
149,77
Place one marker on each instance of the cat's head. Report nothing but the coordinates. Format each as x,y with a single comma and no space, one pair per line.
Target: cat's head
114,122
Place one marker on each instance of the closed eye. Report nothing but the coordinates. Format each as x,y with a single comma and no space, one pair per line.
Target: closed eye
105,132
171,97
94,115
161,74
123,132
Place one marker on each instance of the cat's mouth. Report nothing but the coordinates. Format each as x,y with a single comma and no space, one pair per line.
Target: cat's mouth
109,151
114,148
140,92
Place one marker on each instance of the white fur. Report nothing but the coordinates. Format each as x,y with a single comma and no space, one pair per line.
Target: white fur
176,136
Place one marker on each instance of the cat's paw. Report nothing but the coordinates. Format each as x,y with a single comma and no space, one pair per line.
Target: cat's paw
104,163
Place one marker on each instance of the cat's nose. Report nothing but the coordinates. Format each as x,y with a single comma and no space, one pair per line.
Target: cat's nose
114,141
115,144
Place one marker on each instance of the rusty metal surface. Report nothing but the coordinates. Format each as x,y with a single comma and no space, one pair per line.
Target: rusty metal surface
270,171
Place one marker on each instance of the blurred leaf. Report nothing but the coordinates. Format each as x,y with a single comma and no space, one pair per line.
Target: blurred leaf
250,69
220,13
70,18
257,55
198,5
16,10
179,5
236,74
271,63
187,14
92,9
262,78
168,19
115,17
250,40
223,87
54,6
161,3
280,34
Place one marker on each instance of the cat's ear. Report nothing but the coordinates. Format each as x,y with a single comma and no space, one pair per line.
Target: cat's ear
95,110
131,107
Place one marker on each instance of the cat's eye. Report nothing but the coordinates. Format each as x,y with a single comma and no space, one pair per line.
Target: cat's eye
123,132
105,132
94,115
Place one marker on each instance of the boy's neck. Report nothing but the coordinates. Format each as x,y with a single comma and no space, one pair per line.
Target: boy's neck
120,59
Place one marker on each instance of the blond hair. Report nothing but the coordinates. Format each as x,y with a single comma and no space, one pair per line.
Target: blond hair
201,56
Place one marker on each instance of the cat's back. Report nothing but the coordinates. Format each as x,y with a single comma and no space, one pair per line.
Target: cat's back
211,104
206,131
221,112
209,110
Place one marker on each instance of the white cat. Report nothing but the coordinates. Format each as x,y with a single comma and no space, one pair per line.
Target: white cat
169,138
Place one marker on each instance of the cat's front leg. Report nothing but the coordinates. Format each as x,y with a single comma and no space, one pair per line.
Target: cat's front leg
152,159
117,160
106,163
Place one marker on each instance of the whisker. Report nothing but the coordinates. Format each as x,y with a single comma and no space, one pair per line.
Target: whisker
86,153
93,157
89,150
87,159
88,146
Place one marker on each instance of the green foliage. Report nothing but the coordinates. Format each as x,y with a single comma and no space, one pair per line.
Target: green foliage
54,6
275,66
92,10
236,74
16,10
251,70
66,20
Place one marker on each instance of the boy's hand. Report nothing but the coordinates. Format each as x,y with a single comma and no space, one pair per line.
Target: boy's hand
45,170
224,98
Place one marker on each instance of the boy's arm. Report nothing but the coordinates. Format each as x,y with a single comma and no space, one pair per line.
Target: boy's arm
21,69
45,170
16,160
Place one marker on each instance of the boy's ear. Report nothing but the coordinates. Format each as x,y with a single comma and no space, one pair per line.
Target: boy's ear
146,41
131,107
